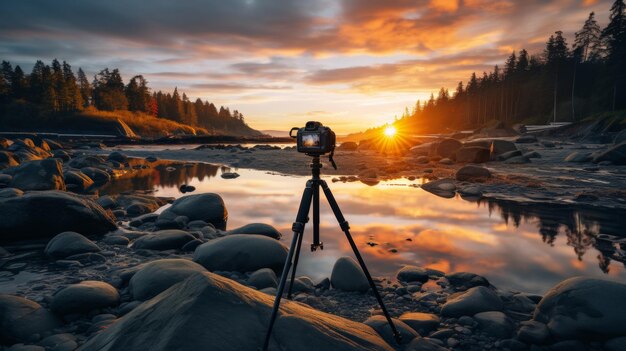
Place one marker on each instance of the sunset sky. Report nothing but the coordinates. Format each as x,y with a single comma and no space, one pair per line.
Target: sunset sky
350,64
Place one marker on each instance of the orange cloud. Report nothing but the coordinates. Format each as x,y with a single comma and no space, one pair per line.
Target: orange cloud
445,5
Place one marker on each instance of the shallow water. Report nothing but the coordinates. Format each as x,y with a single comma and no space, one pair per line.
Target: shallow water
525,248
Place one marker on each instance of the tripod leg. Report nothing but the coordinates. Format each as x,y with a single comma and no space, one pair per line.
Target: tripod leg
298,232
295,266
346,229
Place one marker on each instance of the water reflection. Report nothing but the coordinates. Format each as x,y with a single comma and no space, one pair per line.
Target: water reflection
528,248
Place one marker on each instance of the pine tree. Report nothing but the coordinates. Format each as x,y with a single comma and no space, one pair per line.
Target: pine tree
19,84
138,94
84,87
614,37
587,42
73,96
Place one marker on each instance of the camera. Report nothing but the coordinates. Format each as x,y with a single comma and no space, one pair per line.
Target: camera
314,139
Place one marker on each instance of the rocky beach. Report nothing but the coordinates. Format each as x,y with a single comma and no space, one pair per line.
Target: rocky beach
89,259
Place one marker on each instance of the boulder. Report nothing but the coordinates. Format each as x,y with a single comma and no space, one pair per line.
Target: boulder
258,229
117,156
241,253
475,300
46,213
10,192
423,323
409,274
348,276
472,173
207,310
20,318
579,157
381,326
208,207
495,324
86,161
507,155
448,147
517,160
170,239
157,276
98,176
466,280
7,160
263,278
425,149
526,139
441,187
533,332
69,243
38,175
84,297
580,307
616,155
472,154
76,180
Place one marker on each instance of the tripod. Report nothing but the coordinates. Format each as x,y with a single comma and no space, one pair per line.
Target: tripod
312,195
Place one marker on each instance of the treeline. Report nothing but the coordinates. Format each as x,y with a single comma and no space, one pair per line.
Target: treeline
560,84
55,89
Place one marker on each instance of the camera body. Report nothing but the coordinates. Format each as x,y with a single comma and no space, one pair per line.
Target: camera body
314,139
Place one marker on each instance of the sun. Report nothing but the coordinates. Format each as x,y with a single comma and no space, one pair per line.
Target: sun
390,131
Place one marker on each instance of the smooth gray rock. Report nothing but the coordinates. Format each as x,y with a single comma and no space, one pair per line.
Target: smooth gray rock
163,240
410,273
526,139
423,323
616,155
180,319
257,228
38,175
241,253
69,243
84,297
381,326
348,276
441,187
518,160
98,176
507,155
466,280
208,207
475,300
578,157
263,278
495,324
584,306
20,318
43,214
448,147
533,332
10,192
76,180
117,156
471,172
157,276
473,154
